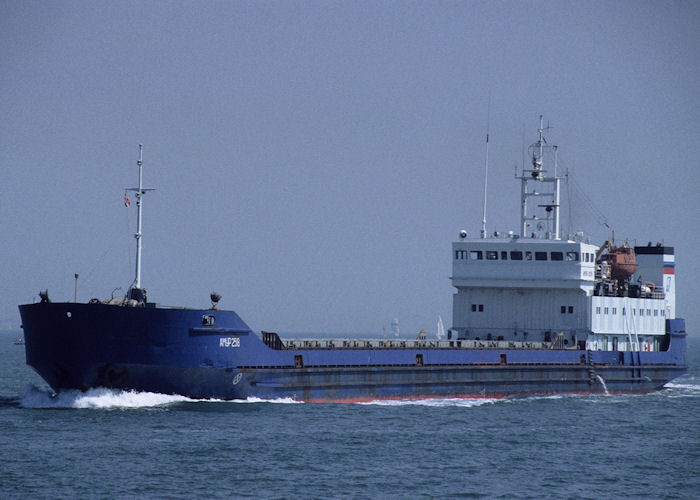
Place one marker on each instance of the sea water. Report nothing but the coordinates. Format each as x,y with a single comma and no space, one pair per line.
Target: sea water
107,444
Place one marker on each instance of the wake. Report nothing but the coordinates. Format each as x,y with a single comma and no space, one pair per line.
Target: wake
435,402
106,399
103,398
684,389
99,398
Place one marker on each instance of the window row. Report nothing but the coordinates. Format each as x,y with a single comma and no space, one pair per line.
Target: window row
517,255
564,309
649,312
587,257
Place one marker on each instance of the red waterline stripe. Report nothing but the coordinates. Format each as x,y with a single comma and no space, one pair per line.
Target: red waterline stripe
402,398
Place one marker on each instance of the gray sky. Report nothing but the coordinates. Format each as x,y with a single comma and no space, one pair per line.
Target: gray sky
314,160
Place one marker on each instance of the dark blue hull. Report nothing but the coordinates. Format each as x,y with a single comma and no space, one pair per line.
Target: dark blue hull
214,354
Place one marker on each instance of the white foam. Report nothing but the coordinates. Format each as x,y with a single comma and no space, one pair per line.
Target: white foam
102,398
689,389
259,400
544,396
99,398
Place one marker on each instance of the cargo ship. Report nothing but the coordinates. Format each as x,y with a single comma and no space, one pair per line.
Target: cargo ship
534,313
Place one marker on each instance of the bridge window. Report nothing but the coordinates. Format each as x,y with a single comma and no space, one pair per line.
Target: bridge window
614,310
597,310
557,256
476,254
528,255
540,255
473,307
491,255
504,255
481,308
563,309
571,309
461,254
571,256
516,255
605,310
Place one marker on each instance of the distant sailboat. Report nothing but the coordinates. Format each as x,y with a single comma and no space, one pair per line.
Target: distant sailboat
440,333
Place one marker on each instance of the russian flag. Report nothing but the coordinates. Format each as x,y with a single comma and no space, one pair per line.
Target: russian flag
669,268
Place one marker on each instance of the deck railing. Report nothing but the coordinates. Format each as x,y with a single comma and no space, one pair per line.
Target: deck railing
409,344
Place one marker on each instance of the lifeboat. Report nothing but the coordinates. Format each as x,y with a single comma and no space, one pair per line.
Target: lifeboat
621,260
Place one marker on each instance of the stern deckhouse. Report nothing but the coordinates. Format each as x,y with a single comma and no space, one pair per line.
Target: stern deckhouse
537,287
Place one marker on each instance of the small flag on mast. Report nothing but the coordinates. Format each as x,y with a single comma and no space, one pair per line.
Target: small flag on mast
127,200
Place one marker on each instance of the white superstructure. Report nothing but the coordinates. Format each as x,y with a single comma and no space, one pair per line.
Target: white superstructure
536,287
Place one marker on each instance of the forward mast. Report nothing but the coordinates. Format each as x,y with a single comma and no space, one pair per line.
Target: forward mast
135,290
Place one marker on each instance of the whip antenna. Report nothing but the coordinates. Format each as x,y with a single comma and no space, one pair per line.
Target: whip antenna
486,169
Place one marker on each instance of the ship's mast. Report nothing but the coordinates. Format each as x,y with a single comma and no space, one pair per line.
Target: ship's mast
139,192
537,175
139,204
